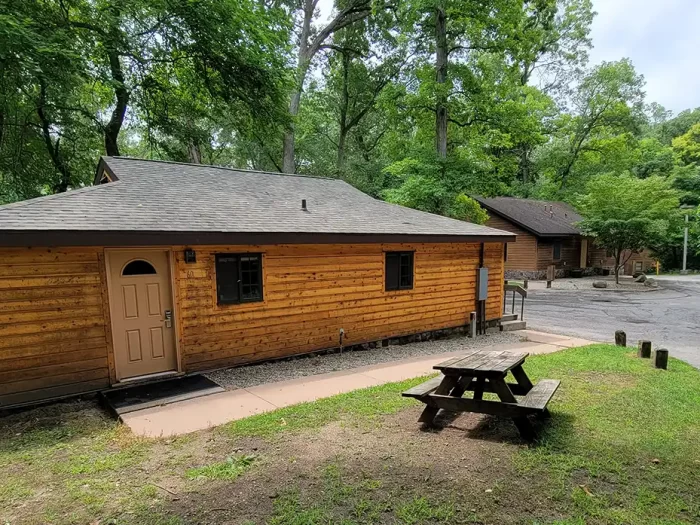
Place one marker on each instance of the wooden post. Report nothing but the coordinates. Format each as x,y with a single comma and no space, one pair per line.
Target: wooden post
660,359
644,349
620,338
472,324
551,274
525,283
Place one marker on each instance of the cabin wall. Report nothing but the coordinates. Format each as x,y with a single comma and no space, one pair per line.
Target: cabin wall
522,254
52,324
312,291
55,334
570,253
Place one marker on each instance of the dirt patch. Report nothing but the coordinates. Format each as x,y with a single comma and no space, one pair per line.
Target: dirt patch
467,458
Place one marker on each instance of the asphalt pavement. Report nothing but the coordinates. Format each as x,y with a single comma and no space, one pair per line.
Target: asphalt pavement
668,316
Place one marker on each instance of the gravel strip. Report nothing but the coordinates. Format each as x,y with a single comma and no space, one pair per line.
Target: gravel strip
252,375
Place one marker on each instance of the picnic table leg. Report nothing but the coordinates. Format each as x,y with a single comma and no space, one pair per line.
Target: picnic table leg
479,388
522,422
522,379
462,386
429,412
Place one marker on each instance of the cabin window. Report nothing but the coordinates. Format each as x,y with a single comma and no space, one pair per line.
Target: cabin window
139,267
399,271
238,278
556,249
638,266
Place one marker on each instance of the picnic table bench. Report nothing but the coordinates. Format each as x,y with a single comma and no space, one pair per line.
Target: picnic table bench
485,371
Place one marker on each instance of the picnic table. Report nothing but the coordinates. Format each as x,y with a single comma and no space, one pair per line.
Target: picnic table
486,371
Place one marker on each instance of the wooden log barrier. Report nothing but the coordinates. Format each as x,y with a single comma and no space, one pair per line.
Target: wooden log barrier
620,338
644,349
660,359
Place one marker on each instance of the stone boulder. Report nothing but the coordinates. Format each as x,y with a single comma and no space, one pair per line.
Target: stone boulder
651,282
640,278
600,284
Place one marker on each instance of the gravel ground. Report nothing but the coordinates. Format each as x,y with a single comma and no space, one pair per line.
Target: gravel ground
586,283
247,376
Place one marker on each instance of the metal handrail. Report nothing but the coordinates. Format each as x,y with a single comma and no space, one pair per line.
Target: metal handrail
520,291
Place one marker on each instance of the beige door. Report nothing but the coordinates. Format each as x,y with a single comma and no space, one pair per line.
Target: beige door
141,307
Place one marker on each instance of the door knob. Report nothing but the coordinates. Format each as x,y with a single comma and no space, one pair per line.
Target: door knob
168,318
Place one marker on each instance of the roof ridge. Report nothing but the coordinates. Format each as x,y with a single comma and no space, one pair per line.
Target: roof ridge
43,198
225,168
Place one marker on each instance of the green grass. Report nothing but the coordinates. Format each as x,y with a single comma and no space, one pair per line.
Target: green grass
229,470
360,406
622,447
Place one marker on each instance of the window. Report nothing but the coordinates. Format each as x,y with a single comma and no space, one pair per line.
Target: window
139,267
556,249
638,267
399,271
238,278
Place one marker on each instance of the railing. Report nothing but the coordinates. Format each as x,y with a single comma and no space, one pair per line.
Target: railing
516,290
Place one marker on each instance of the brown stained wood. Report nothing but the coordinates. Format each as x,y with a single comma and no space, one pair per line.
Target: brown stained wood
620,338
104,292
495,408
447,383
540,395
465,383
644,350
660,358
522,379
479,387
522,254
484,363
424,388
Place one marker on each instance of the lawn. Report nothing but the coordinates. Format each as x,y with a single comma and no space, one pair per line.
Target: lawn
623,446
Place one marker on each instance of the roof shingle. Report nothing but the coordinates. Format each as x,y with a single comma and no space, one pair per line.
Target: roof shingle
156,196
544,218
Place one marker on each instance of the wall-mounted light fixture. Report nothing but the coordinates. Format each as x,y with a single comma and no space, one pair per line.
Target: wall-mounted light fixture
190,256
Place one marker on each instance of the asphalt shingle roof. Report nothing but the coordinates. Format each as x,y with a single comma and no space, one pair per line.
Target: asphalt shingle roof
545,218
155,196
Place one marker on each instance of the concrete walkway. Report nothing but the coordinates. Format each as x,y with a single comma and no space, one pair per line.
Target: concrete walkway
216,409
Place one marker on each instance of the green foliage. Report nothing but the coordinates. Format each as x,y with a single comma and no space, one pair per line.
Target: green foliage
625,213
467,209
687,146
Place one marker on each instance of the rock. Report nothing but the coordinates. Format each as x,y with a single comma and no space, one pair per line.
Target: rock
640,278
651,282
637,274
600,284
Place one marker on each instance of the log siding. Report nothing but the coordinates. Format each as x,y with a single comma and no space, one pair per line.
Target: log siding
55,336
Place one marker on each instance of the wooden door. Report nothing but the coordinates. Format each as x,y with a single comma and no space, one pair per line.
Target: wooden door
141,308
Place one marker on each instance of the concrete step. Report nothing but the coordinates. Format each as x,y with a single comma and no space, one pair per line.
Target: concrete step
509,317
510,326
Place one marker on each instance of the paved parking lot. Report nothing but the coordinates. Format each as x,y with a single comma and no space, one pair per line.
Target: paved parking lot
668,316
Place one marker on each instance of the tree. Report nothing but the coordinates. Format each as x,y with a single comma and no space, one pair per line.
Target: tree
309,43
608,103
687,146
626,214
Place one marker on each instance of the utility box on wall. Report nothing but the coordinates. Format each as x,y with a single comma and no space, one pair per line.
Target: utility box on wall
482,284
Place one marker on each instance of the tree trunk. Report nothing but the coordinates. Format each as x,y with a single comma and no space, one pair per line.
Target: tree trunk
343,121
121,95
54,149
618,254
441,79
194,153
288,164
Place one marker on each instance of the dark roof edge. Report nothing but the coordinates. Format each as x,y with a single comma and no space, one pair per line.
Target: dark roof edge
57,238
521,225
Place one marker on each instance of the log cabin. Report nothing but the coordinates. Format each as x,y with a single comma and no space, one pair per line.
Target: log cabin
548,234
161,269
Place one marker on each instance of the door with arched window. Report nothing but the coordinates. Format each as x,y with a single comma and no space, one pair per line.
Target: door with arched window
141,309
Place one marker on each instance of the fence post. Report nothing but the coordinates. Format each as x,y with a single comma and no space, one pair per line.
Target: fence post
472,324
644,349
620,338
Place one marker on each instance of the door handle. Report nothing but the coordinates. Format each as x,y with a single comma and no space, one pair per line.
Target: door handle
168,318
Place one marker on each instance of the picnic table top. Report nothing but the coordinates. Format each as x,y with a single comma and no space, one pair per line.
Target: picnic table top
482,363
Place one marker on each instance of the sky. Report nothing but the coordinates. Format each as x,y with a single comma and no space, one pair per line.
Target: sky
661,37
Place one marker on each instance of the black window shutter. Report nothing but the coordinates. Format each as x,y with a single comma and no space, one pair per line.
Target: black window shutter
227,285
406,271
393,263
